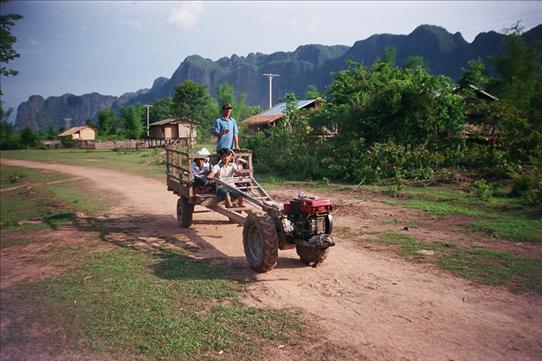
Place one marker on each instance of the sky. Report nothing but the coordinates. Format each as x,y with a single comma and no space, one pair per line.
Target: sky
113,47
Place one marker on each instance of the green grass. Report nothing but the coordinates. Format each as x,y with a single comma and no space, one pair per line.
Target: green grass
440,207
513,228
159,306
477,264
410,246
15,176
76,198
147,163
500,216
43,206
16,207
495,268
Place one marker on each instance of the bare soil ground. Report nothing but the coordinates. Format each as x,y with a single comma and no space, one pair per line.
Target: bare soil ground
373,303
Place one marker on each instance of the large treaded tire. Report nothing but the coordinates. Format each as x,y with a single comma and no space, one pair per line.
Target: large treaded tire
185,211
311,256
260,242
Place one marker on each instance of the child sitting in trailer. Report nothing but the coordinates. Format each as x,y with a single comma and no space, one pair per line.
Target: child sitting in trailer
223,169
200,170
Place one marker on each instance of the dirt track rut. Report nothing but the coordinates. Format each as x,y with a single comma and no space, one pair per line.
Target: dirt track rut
379,305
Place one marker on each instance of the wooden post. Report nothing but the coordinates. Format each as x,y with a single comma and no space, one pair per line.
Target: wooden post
167,163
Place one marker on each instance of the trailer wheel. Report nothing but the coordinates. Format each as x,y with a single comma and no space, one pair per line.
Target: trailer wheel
184,212
311,256
260,242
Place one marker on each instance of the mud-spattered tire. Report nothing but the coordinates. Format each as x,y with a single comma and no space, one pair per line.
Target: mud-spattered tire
185,211
311,256
260,242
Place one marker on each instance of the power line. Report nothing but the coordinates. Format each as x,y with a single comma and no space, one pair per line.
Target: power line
503,19
500,27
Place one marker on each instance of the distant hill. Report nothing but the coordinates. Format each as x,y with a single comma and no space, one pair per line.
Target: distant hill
445,53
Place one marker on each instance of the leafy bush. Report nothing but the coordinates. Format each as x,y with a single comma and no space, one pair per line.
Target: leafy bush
482,189
404,123
529,188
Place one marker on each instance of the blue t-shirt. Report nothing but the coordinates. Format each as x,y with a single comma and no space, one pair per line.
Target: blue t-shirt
226,140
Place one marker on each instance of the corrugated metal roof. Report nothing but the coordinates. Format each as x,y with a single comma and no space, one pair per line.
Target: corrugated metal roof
164,121
73,131
259,120
173,121
483,93
281,107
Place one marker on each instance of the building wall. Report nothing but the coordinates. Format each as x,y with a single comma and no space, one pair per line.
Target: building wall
171,131
156,132
184,131
87,134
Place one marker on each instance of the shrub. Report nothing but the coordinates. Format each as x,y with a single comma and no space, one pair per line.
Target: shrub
529,188
482,189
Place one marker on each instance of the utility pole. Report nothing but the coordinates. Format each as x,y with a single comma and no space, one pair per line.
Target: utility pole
148,106
270,76
67,122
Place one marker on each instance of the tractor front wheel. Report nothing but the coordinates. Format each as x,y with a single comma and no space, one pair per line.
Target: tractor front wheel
184,212
311,256
260,242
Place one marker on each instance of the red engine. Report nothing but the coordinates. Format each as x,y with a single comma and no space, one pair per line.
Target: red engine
312,205
309,219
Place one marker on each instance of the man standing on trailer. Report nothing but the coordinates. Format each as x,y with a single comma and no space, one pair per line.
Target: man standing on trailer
225,130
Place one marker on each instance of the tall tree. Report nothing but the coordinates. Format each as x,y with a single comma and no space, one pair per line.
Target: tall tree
131,120
312,92
408,106
518,75
225,93
7,52
29,138
107,123
9,137
475,74
517,116
162,108
192,101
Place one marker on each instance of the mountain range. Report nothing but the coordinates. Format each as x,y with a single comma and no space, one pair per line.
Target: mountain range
443,52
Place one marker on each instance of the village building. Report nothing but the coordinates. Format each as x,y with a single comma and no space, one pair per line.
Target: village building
476,100
172,129
79,133
268,118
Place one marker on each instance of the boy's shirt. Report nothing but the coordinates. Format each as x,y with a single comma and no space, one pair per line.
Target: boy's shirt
200,171
223,171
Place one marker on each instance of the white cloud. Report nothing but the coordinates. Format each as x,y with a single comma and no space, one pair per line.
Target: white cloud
129,23
33,41
187,16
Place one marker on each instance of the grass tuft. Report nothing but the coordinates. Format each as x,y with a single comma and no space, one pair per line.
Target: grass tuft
495,268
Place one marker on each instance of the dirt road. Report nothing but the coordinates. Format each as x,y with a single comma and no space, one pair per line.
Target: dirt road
374,303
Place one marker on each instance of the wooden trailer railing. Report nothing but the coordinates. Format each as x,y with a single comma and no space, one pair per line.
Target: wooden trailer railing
179,180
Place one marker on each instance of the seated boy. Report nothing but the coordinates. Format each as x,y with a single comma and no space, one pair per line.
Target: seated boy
223,169
200,168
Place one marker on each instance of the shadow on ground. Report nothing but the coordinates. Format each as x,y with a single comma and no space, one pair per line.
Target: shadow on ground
161,237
